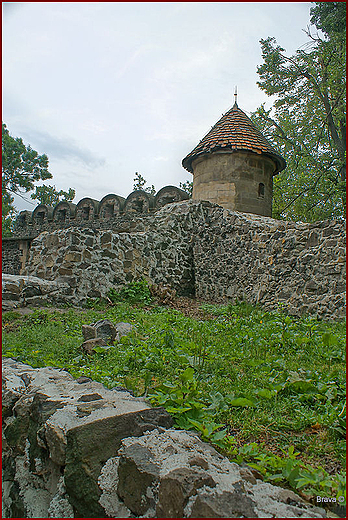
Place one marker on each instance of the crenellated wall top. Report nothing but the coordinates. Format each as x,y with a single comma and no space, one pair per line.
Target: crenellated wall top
92,213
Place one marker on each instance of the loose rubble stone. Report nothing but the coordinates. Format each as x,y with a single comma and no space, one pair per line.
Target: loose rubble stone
88,332
102,334
105,329
162,293
89,345
124,328
19,291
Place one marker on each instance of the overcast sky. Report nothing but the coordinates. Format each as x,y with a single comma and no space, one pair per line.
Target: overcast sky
108,89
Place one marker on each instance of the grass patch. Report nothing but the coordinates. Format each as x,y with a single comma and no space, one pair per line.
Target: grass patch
263,387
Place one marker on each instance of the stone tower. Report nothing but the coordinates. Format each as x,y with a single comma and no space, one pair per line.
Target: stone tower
234,164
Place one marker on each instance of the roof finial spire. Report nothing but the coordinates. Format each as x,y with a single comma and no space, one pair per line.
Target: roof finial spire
235,96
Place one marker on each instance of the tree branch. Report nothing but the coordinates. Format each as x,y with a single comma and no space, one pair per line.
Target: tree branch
17,193
301,193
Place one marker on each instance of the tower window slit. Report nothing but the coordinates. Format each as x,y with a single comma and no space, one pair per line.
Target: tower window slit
261,190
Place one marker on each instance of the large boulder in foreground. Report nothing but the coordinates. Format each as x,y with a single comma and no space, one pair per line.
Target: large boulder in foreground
74,449
58,428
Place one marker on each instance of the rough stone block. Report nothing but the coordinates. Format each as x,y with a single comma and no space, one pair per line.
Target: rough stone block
173,474
124,328
73,257
13,387
60,425
136,473
105,329
227,504
88,332
177,487
8,297
89,345
30,289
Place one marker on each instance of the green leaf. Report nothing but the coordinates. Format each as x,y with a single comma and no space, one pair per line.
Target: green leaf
255,362
276,476
292,453
267,394
241,402
101,349
303,387
187,375
293,476
178,409
329,339
258,467
219,435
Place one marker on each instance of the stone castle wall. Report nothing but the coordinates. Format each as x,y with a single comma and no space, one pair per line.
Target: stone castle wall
93,261
271,262
11,256
202,249
112,212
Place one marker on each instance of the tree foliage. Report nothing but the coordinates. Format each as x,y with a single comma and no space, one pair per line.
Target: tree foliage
307,122
22,167
187,186
50,196
330,18
139,184
8,214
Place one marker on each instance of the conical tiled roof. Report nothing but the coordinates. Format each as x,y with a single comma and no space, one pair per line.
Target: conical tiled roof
234,131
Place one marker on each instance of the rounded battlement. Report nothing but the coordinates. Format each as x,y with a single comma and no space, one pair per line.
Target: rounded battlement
139,202
109,210
41,214
168,195
110,206
87,209
24,219
64,211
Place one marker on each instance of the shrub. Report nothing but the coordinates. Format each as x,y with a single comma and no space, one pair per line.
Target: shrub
134,292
